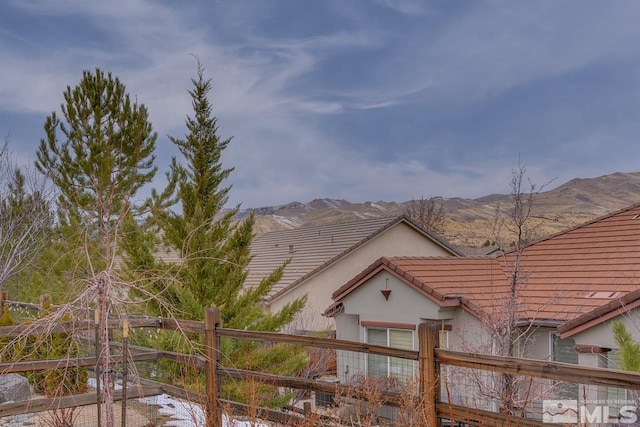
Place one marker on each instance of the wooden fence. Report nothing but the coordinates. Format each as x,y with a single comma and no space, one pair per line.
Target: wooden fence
428,357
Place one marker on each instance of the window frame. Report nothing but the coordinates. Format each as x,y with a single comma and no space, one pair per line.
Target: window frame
404,364
556,345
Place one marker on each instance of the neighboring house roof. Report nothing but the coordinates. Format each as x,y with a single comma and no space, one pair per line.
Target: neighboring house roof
446,281
601,314
591,265
312,249
577,276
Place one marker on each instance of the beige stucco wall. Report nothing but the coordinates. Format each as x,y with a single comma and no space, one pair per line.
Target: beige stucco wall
405,304
399,240
467,333
366,303
602,334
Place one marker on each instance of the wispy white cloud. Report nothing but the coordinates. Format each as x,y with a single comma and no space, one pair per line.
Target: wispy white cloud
283,83
497,46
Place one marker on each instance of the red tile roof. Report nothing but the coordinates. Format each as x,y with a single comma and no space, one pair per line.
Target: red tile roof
574,276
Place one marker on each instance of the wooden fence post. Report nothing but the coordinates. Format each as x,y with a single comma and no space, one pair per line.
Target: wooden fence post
429,372
211,322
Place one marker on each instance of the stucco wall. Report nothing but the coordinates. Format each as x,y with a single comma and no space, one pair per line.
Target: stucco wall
602,334
399,240
348,327
467,333
405,306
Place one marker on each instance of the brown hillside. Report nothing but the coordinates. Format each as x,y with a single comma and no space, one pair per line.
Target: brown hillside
469,223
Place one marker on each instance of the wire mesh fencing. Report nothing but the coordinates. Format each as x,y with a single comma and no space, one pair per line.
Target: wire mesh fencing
261,378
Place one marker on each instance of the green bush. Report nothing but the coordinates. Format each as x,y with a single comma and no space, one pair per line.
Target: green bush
59,345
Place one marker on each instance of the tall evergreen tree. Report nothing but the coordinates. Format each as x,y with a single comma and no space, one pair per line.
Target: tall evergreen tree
97,156
213,247
103,158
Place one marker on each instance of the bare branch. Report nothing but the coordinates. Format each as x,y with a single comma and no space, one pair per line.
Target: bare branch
429,213
26,219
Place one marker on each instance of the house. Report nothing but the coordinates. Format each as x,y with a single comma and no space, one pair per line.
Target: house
571,286
322,257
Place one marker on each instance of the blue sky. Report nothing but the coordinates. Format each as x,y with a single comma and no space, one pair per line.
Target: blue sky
364,100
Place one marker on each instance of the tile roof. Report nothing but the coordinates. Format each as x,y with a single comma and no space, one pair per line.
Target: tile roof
588,266
311,249
575,276
469,281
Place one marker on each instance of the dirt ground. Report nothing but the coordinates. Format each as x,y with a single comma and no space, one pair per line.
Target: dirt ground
138,415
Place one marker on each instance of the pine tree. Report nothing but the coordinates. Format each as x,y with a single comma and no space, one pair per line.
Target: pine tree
214,249
103,158
628,349
97,155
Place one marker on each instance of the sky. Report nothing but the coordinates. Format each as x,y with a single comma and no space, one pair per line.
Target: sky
363,100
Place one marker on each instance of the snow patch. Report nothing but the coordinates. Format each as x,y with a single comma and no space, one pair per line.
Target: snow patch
183,413
364,215
379,207
189,414
336,204
293,222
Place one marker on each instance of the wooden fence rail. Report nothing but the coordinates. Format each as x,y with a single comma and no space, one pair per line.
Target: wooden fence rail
541,369
429,358
318,342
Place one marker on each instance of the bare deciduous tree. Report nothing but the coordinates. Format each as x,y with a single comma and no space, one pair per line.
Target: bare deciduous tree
520,220
516,223
25,216
429,213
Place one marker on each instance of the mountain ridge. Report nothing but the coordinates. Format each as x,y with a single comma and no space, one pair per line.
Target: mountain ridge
469,221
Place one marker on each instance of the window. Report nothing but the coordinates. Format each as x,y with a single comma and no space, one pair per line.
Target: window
562,350
443,338
383,366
